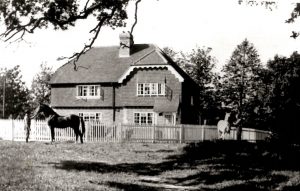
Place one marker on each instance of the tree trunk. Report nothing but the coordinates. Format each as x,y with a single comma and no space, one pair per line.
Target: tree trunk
239,133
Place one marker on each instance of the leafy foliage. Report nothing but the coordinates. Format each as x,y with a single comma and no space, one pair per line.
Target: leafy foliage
241,81
199,65
284,97
26,16
40,87
271,5
16,93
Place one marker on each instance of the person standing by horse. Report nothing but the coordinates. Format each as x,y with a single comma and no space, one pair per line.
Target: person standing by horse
238,124
27,123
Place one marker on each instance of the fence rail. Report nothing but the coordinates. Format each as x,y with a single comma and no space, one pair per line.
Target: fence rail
100,132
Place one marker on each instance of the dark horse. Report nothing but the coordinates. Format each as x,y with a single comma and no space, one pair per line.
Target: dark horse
56,121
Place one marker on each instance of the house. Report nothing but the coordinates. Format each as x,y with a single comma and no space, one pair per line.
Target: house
130,83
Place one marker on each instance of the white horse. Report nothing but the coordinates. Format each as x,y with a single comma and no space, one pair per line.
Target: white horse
223,127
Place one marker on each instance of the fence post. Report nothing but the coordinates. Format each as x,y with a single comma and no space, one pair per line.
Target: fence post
153,133
203,132
12,130
120,136
181,134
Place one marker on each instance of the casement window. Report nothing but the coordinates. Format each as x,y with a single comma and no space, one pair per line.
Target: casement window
89,92
89,116
151,89
144,118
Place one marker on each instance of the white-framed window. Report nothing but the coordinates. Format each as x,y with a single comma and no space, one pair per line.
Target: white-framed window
89,116
144,118
161,89
151,89
89,92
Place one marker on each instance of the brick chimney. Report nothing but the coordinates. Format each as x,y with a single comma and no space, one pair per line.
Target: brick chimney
126,43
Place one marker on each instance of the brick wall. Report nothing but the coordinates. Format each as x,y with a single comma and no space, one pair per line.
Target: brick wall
126,95
127,101
66,96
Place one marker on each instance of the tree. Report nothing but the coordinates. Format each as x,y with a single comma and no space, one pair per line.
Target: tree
284,97
199,65
26,16
16,93
240,83
40,87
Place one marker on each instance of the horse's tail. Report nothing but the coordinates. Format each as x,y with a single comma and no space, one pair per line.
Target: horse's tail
82,125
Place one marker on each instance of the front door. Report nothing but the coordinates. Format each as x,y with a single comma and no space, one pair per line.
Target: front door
169,119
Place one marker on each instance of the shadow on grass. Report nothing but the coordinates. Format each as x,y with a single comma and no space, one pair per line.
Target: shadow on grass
247,166
127,186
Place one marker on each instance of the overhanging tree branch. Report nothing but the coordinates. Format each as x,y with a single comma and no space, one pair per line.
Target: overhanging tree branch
135,15
26,16
96,30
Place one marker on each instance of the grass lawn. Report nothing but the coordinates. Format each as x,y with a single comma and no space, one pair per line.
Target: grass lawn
221,165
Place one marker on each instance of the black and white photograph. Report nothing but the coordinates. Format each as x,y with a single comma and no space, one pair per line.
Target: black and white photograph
149,95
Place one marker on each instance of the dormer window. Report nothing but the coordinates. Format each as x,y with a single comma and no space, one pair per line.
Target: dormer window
89,91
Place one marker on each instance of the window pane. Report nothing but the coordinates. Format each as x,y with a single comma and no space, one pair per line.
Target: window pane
154,88
92,116
91,90
97,90
79,93
136,118
143,118
150,118
161,89
84,90
140,89
86,116
98,116
147,89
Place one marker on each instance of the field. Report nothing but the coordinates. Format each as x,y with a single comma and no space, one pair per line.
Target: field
220,165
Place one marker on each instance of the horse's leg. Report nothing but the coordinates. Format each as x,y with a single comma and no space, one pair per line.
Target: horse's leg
52,134
81,137
219,134
80,134
76,133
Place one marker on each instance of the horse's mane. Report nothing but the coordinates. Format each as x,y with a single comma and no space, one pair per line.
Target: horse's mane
47,110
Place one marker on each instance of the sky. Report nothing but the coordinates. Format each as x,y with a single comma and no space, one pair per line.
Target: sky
181,25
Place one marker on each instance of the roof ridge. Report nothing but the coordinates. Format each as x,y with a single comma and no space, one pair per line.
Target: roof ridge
142,57
155,49
107,46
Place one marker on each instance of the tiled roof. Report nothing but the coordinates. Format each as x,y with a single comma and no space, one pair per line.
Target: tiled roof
103,64
165,105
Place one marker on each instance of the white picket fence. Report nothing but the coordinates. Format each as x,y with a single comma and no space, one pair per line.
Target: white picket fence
99,132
